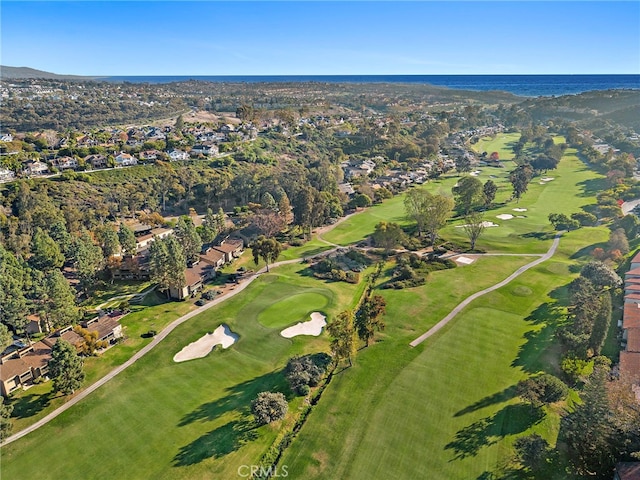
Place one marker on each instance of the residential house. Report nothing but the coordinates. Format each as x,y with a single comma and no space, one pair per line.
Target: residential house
6,137
143,241
231,249
213,257
6,175
176,155
96,161
35,167
23,367
125,160
205,149
195,276
630,355
65,163
132,267
149,155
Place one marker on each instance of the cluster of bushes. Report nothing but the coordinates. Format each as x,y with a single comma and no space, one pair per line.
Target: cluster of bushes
411,270
343,267
307,371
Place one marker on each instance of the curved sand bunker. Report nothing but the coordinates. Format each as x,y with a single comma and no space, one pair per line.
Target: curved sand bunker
485,224
204,345
310,327
504,216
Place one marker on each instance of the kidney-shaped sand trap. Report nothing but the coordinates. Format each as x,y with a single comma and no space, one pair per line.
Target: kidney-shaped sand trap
310,327
203,346
504,216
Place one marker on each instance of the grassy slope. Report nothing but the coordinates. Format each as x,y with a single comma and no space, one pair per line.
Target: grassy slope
160,419
190,421
447,408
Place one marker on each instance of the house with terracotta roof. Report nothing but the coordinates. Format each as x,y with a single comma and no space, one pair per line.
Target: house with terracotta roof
24,367
627,471
231,249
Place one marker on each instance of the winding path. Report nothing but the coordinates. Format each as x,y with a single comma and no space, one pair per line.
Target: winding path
501,284
139,354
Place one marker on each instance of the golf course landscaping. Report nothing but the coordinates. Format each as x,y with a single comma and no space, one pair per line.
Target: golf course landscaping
445,409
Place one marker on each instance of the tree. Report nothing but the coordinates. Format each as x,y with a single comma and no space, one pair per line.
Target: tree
269,222
388,235
13,279
618,241
468,193
65,368
266,248
463,164
489,190
284,208
307,371
5,337
532,451
209,230
473,227
360,200
176,264
107,237
629,223
588,431
221,222
269,407
544,163
601,324
90,343
520,178
561,222
46,253
159,263
369,318
87,259
542,389
343,344
56,300
430,212
189,239
586,219
267,201
127,239
600,275
5,419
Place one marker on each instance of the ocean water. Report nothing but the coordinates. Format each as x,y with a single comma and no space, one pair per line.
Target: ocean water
524,85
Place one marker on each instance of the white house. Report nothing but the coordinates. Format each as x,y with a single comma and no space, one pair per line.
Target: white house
205,149
125,160
33,167
178,155
6,175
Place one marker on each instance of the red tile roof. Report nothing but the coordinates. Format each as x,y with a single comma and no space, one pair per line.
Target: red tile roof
634,271
636,258
628,470
634,287
630,364
631,317
633,340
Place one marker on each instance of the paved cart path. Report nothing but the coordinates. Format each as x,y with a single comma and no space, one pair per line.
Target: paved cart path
471,298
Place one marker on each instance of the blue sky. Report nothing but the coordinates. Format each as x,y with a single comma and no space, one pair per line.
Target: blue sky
321,38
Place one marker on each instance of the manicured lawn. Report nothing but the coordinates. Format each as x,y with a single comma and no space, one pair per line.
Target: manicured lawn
445,409
162,419
502,144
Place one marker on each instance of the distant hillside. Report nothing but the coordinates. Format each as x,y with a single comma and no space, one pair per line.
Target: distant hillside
8,73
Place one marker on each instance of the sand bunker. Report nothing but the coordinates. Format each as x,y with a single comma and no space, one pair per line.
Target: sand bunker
475,173
203,346
310,327
504,216
519,209
464,260
485,224
546,179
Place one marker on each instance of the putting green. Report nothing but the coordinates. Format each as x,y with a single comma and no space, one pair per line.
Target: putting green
291,310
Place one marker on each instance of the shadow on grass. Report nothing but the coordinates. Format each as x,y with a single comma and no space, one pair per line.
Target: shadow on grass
588,250
511,420
29,405
539,235
217,443
239,397
499,397
593,186
540,341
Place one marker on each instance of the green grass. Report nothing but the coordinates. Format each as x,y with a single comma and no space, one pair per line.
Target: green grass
162,419
500,143
445,409
296,307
